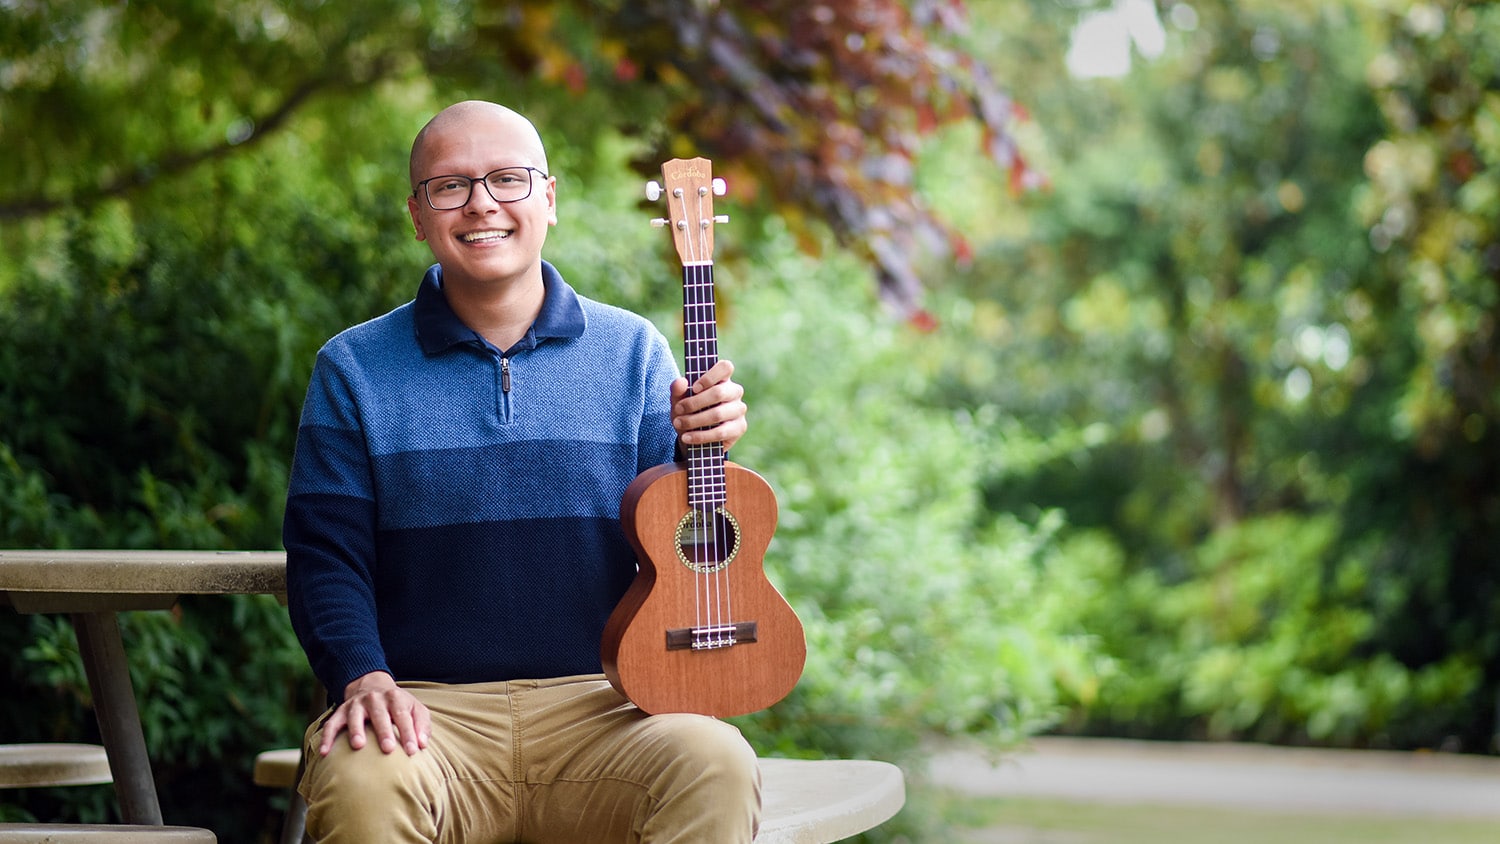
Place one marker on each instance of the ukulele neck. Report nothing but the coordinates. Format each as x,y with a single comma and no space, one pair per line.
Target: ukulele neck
701,351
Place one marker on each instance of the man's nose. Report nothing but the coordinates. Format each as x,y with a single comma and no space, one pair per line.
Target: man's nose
479,195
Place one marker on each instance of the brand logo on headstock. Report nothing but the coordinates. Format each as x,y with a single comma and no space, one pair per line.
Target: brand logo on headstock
692,171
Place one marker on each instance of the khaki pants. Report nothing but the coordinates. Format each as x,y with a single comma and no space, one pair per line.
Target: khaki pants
538,761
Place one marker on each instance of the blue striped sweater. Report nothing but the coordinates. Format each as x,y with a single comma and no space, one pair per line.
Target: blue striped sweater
453,512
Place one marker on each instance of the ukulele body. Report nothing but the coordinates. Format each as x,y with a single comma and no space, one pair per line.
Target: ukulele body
701,629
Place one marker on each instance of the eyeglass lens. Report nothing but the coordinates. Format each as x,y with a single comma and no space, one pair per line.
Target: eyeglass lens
510,184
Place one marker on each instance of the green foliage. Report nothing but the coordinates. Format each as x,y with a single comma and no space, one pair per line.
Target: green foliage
1431,201
1258,269
154,319
1263,640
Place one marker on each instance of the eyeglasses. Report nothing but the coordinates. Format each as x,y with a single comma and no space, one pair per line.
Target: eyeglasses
508,184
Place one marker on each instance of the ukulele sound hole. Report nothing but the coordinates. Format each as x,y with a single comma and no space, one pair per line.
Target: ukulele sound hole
707,540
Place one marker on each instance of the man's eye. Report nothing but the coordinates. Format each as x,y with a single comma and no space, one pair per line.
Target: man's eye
450,185
505,179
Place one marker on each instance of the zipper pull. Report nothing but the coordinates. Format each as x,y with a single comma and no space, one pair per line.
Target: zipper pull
504,375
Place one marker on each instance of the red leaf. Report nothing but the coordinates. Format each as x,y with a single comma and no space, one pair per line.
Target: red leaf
963,250
922,320
575,78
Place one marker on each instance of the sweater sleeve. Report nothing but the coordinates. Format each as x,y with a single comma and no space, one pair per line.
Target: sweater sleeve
658,439
329,534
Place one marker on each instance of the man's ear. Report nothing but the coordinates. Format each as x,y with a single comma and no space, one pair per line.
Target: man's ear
416,220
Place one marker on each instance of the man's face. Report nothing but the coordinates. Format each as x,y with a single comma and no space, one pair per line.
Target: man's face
484,242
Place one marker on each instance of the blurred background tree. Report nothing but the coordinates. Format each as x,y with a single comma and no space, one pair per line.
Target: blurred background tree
1266,269
1150,391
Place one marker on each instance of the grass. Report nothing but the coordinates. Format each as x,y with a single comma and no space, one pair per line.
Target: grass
989,820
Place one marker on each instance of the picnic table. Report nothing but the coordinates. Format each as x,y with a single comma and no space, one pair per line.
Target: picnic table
92,588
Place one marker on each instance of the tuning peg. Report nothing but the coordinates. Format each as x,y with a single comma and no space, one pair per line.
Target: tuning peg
660,221
721,218
719,187
653,190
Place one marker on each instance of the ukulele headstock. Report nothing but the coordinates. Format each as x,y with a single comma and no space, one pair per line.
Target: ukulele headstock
690,189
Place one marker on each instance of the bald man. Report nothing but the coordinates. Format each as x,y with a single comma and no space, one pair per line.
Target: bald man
453,542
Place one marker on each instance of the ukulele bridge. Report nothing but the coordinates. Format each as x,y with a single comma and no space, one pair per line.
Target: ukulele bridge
710,637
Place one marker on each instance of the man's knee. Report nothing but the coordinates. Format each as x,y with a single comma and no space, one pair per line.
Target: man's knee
710,790
713,755
367,789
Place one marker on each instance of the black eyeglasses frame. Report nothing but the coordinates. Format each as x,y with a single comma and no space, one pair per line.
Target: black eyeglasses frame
421,187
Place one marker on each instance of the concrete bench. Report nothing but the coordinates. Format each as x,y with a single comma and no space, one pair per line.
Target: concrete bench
804,801
70,833
815,801
52,763
59,763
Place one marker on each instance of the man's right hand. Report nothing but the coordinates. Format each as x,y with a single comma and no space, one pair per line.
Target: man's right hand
396,717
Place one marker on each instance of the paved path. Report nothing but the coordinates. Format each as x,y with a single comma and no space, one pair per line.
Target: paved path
1233,776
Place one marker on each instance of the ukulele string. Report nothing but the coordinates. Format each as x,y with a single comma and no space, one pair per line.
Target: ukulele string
703,512
712,546
722,615
721,530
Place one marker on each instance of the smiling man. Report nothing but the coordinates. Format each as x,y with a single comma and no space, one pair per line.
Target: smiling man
453,539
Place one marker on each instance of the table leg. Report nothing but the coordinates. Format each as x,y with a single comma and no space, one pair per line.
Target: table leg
119,719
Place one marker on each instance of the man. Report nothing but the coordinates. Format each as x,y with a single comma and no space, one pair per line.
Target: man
453,544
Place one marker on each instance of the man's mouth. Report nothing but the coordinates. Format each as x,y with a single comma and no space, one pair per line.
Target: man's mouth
484,236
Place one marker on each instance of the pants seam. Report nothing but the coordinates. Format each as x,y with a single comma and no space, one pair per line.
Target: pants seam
518,762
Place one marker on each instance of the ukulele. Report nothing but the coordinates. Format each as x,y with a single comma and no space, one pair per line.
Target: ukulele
700,629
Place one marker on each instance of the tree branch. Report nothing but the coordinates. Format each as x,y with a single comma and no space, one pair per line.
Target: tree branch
173,162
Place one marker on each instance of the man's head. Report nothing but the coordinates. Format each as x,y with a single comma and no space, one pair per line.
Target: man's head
522,129
488,238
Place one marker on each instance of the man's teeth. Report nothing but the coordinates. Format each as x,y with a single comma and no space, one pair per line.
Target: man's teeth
476,237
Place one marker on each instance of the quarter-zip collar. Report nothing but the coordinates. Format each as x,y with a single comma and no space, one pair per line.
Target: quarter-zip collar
439,329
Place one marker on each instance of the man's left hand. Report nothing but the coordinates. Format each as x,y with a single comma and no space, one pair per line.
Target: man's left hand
715,410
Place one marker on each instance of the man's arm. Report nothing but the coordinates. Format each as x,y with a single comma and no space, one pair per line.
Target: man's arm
329,537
